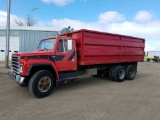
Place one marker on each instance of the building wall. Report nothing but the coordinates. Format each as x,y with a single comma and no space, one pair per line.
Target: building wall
153,53
28,39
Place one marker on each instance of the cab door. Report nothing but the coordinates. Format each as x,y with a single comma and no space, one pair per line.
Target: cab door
66,57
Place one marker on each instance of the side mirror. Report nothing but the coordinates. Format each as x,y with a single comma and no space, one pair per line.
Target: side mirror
69,45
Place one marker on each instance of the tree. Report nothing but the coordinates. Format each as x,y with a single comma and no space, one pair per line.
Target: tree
29,20
19,22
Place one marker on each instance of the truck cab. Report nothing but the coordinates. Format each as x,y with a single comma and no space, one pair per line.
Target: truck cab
53,55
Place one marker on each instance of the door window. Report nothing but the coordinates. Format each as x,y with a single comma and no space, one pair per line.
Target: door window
65,46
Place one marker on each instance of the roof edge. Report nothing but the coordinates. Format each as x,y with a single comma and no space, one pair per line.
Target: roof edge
32,28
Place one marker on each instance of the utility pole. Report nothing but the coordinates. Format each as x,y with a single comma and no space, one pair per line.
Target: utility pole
7,34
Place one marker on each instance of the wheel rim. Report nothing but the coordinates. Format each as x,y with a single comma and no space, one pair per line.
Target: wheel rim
132,72
44,84
121,74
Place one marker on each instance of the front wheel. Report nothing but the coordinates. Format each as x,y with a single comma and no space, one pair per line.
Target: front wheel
42,84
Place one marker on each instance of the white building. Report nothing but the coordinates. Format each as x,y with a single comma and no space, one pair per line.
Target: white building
23,39
153,53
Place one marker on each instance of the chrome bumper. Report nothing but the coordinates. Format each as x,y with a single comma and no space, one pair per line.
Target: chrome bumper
19,79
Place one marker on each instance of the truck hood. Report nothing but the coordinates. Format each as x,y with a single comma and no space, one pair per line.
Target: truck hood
34,53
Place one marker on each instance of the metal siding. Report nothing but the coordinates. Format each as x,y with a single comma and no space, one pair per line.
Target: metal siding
153,53
104,48
29,40
12,32
13,47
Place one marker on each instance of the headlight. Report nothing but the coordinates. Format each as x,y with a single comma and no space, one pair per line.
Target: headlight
21,68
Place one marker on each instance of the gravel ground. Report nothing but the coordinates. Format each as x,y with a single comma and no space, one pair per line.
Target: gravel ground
88,98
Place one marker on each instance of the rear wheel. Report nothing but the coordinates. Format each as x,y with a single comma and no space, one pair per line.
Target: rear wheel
131,72
111,72
119,73
41,84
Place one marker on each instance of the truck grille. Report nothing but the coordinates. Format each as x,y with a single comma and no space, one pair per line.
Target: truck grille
15,66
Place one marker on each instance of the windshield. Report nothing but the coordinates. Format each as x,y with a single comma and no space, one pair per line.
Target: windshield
47,44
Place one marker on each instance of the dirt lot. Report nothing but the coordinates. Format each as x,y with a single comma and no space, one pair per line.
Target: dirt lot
87,99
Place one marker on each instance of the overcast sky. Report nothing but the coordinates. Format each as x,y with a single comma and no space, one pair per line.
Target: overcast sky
139,18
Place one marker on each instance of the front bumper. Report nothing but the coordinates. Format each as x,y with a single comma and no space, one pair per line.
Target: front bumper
17,78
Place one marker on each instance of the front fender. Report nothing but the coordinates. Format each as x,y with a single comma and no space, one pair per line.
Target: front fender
42,66
56,71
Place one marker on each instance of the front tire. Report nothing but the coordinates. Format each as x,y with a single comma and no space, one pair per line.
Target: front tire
42,83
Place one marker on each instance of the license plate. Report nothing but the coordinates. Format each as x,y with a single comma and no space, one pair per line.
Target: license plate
17,78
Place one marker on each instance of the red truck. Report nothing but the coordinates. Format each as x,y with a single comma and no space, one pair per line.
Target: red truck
69,55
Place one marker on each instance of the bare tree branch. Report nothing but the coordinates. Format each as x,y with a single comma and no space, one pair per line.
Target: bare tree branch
29,21
19,22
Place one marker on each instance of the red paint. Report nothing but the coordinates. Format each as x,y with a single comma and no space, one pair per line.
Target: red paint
92,48
104,48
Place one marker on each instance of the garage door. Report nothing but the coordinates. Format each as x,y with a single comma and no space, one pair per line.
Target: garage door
14,46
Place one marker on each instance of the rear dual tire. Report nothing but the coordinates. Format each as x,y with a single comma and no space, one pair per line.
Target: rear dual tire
111,72
118,73
131,72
